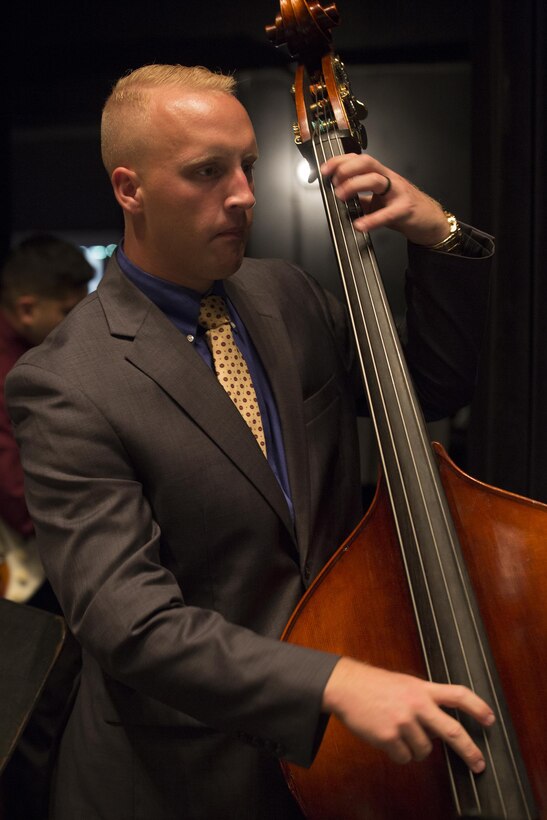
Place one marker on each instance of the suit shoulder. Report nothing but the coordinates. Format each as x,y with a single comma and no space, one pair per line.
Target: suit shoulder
276,275
73,329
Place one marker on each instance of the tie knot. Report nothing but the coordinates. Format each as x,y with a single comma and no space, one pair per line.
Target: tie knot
213,312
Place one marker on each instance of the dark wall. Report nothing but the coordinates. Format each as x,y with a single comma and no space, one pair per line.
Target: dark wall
509,433
64,56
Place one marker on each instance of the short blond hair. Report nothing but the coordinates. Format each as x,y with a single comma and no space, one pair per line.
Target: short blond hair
131,95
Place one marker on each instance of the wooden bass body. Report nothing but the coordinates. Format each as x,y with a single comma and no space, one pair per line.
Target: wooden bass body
504,542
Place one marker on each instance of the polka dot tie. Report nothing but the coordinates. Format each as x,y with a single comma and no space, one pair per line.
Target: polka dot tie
230,366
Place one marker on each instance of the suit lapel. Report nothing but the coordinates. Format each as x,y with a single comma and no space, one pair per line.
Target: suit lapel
160,351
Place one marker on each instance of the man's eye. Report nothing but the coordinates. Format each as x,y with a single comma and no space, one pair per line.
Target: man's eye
211,171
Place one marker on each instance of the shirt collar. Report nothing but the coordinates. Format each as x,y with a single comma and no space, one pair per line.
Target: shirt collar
179,304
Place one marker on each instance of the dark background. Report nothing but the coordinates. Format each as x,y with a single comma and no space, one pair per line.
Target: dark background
456,94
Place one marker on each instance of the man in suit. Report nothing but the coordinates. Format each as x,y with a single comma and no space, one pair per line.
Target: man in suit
177,549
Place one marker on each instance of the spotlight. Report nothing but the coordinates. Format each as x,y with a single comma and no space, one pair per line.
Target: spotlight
303,172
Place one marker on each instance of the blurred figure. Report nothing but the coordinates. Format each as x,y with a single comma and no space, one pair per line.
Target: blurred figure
42,279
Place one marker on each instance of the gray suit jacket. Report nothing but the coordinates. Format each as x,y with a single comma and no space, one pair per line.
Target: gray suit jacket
168,540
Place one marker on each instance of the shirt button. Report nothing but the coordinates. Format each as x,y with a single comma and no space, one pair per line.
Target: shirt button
190,337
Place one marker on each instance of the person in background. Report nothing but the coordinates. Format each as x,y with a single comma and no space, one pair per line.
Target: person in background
180,526
41,280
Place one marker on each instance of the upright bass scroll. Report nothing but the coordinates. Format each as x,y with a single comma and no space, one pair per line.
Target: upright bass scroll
328,99
424,569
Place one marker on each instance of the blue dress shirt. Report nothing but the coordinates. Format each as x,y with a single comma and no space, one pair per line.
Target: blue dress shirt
181,306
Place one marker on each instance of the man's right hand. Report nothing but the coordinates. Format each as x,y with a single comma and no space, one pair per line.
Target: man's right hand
400,714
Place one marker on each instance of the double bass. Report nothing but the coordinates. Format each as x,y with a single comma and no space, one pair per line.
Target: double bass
445,577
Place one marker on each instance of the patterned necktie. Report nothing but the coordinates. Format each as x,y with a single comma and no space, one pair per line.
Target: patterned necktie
230,366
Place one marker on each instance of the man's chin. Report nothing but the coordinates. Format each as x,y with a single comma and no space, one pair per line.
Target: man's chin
228,267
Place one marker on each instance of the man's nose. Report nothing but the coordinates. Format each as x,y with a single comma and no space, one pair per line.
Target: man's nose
240,193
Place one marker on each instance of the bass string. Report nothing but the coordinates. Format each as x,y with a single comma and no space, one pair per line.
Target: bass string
334,139
411,522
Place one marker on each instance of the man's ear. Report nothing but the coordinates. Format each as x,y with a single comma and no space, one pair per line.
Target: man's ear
125,183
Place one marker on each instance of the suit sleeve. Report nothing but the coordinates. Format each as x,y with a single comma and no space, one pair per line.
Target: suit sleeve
447,306
442,333
101,549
